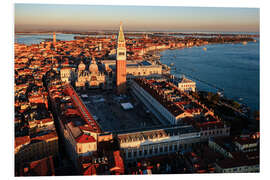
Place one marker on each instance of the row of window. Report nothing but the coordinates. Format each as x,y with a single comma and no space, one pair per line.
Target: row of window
150,151
144,73
216,132
239,169
155,150
187,85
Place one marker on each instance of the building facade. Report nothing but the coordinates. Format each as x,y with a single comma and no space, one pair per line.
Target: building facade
91,78
78,128
157,142
67,74
185,84
37,148
143,69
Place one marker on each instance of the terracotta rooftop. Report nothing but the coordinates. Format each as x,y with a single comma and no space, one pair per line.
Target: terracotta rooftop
84,113
85,139
43,167
21,140
46,137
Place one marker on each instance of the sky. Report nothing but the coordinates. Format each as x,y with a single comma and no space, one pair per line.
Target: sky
53,17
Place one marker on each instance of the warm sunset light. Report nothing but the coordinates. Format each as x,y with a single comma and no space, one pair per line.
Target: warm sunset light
130,90
136,18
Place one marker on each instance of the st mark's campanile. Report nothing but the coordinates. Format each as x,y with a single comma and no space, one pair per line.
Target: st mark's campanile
121,62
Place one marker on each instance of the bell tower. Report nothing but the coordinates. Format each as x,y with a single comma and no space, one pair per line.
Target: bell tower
121,62
54,39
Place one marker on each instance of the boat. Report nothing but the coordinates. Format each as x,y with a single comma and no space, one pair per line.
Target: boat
220,94
205,49
172,64
244,42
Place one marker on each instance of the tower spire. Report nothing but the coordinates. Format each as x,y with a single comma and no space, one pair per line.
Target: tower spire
121,37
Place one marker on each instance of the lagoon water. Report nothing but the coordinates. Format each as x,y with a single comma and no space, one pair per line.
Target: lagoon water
232,67
29,39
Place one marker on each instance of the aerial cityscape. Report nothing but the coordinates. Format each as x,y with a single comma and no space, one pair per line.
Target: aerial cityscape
122,90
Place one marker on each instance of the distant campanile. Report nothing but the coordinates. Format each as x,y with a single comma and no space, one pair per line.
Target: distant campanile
54,39
121,62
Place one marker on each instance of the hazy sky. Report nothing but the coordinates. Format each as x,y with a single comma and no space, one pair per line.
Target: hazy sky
89,17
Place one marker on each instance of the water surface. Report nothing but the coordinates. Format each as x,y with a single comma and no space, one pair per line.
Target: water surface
232,67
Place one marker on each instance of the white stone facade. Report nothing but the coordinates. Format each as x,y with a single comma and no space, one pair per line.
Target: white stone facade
156,142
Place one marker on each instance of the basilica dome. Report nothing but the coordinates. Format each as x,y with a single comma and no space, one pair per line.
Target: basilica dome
93,68
81,66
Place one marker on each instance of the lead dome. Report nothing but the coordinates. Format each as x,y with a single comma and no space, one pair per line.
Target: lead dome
93,68
81,66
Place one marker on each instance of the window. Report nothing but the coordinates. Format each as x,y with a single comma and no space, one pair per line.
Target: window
156,150
175,147
160,149
170,148
145,152
166,149
140,152
135,153
150,151
129,154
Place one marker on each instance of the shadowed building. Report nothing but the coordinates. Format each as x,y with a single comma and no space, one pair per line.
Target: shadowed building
121,62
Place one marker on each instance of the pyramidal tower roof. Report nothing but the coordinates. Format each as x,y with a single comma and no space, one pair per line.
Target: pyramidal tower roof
121,37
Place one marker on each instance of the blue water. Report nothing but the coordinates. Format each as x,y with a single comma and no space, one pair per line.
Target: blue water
29,39
232,67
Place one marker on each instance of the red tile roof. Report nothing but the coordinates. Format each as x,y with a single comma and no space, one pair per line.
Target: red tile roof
21,140
46,136
91,170
43,167
85,114
85,139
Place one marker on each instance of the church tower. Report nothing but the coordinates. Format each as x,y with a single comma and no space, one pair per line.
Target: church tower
54,39
121,62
